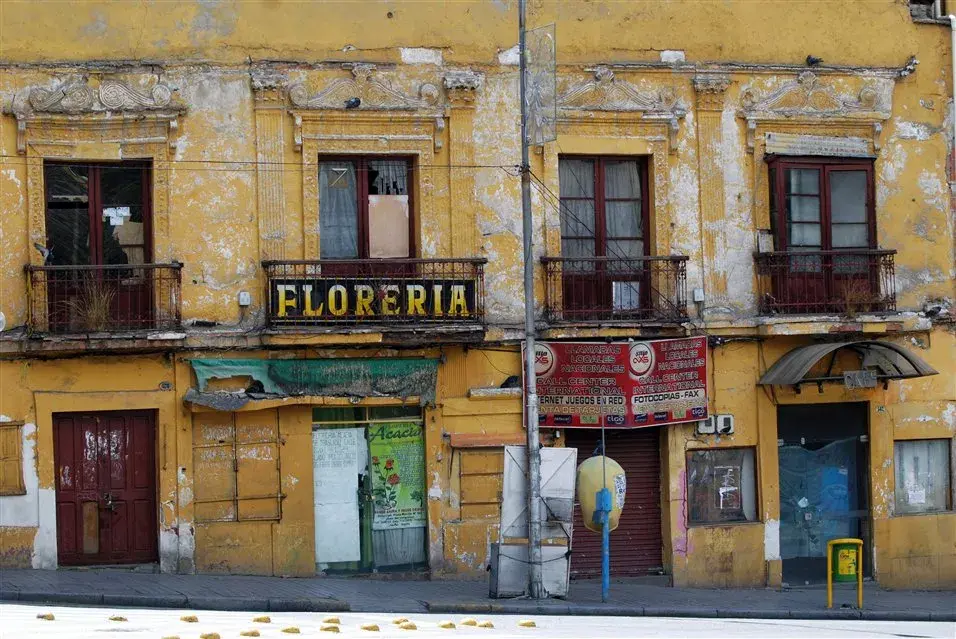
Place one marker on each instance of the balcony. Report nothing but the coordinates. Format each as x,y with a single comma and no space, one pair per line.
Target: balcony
304,293
606,289
103,299
844,282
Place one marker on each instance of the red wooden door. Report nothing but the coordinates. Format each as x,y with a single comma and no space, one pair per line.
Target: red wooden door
637,543
105,487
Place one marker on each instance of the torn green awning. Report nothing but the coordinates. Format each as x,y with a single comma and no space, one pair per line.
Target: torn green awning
342,377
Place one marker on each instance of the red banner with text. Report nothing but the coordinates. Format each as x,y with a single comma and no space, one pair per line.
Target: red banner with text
621,384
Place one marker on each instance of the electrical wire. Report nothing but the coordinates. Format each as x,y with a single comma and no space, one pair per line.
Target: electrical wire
232,166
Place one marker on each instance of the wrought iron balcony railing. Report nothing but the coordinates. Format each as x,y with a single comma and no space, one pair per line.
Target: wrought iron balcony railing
602,289
96,299
841,281
379,291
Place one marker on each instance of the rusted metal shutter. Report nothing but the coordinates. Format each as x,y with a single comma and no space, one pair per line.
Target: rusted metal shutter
636,545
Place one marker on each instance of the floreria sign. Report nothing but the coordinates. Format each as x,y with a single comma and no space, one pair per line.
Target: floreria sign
295,300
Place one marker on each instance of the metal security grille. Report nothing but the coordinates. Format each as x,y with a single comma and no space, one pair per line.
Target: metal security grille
637,544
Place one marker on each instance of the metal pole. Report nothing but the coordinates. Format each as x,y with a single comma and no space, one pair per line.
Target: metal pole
535,585
605,529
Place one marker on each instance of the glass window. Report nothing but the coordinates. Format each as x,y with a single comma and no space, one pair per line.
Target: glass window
603,212
923,475
827,205
364,208
97,214
721,486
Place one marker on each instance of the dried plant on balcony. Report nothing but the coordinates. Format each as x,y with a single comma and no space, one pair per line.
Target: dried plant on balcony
856,296
91,309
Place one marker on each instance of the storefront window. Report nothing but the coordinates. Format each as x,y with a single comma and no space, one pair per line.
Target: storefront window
923,476
721,486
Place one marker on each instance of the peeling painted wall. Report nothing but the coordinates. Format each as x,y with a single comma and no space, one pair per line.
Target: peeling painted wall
708,194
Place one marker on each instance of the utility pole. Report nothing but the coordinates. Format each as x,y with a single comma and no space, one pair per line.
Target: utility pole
535,584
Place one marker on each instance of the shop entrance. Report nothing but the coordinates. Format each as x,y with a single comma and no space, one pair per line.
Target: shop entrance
369,477
105,487
824,485
636,544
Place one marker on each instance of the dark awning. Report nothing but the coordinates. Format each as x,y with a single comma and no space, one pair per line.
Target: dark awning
889,360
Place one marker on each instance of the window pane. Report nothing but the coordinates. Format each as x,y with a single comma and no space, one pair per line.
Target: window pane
578,248
803,181
623,219
622,179
805,236
67,214
577,218
850,235
576,177
803,209
626,296
848,196
721,486
923,475
388,177
121,190
629,249
338,211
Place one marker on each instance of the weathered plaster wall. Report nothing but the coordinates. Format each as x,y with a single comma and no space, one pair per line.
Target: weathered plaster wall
709,198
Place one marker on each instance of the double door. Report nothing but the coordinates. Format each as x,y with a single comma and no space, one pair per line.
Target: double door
105,487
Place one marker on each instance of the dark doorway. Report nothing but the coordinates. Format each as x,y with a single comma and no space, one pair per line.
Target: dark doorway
824,485
105,487
636,544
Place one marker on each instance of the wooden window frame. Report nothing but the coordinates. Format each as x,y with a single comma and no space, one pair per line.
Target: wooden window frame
10,490
825,165
361,190
95,205
600,201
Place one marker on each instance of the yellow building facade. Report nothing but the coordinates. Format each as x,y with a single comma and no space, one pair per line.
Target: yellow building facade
248,245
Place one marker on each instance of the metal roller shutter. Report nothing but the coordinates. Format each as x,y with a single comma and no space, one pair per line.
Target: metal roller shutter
636,545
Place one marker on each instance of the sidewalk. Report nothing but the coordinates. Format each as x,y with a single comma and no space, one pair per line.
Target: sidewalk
214,592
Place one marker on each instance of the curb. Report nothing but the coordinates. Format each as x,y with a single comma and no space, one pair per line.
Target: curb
180,601
617,610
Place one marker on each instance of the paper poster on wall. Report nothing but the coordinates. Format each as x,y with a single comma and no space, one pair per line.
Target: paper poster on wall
335,453
388,226
398,475
728,487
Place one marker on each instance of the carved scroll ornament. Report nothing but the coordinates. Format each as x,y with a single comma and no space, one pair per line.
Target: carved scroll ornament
371,91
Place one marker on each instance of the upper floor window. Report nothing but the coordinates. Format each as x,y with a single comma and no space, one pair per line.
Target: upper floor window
97,215
603,207
365,208
823,205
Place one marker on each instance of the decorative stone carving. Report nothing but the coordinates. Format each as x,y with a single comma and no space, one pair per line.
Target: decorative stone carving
374,93
268,87
75,95
807,98
710,91
461,87
605,93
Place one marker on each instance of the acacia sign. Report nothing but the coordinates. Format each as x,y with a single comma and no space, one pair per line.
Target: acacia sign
295,300
622,384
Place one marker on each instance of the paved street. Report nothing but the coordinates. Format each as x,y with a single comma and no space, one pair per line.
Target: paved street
20,620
